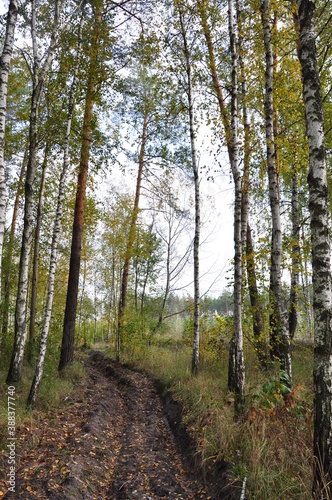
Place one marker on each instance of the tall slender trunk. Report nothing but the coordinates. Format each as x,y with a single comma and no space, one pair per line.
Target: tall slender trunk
195,352
295,274
34,390
236,362
168,278
275,105
5,310
81,302
279,337
131,236
112,299
95,307
246,126
136,274
202,6
38,80
306,293
247,243
102,322
260,344
68,338
34,288
320,239
109,321
238,382
147,274
4,70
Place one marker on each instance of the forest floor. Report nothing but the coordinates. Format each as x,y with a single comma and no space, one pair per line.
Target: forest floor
113,438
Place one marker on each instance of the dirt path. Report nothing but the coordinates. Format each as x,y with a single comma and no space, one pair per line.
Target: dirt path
110,441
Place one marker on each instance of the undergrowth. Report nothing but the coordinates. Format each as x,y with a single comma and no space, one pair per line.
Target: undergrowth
272,446
54,390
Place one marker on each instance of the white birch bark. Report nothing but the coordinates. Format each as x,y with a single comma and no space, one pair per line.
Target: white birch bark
38,80
295,274
278,320
81,302
95,307
7,280
246,126
34,391
320,239
239,375
4,70
34,287
195,352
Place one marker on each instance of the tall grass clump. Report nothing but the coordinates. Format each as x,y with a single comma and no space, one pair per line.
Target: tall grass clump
272,446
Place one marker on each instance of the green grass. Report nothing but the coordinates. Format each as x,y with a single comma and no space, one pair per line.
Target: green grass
53,391
272,446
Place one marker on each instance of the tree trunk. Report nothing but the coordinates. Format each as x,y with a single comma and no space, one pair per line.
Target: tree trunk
195,352
4,70
131,237
38,79
112,299
279,337
321,273
295,246
5,310
275,106
81,303
259,343
136,281
109,321
95,306
236,363
68,338
247,244
168,278
34,288
34,390
238,382
102,322
202,7
306,294
246,126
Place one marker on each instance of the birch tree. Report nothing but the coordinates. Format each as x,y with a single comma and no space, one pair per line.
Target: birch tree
4,70
189,92
236,379
7,274
239,374
320,240
34,287
38,74
295,249
34,391
279,336
248,255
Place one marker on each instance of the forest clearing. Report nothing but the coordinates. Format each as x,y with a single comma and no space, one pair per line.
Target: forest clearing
165,253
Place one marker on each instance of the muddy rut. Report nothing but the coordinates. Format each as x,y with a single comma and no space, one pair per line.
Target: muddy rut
111,440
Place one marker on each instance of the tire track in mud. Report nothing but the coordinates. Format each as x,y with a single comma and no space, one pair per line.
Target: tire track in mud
111,440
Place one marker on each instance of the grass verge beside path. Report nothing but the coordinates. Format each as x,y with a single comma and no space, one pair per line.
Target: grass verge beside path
54,391
272,448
